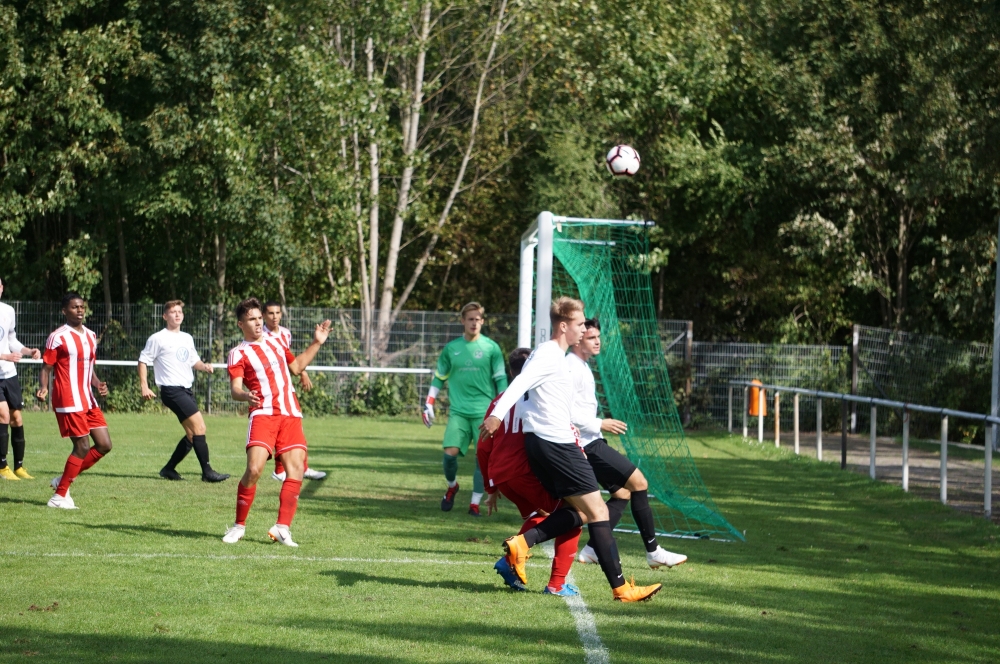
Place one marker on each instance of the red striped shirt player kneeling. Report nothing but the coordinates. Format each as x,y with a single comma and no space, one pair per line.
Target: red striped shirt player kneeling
260,372
71,352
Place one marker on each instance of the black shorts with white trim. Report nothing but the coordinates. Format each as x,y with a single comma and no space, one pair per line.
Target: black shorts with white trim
180,400
562,468
10,391
611,468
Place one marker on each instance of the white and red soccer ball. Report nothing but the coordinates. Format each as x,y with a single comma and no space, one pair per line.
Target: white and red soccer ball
623,161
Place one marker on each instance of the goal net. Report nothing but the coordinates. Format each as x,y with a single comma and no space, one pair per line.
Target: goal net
605,263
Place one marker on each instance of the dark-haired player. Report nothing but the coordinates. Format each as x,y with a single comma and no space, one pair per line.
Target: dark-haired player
173,356
11,401
506,471
273,328
612,469
71,351
260,373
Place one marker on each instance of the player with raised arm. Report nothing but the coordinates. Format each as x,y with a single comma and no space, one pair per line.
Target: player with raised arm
71,351
554,453
273,327
506,471
173,356
473,367
11,399
260,373
612,469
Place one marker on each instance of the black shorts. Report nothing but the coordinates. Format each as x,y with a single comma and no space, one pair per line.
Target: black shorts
611,468
180,400
10,391
562,468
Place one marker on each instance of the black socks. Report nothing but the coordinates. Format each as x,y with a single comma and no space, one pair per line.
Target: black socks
3,445
607,552
183,447
643,515
616,506
561,521
201,451
17,443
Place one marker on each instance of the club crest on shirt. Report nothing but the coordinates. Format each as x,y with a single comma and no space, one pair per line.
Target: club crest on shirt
478,355
3,332
182,354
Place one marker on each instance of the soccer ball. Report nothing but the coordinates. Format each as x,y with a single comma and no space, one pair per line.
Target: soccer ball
623,160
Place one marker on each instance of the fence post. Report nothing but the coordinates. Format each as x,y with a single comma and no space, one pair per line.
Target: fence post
211,358
746,407
906,449
843,434
761,402
871,451
795,419
944,459
854,377
689,362
988,477
777,419
730,419
819,428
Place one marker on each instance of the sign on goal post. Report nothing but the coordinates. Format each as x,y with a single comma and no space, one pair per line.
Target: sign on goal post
605,263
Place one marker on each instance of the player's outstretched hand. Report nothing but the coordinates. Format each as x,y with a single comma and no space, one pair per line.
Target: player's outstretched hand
148,394
322,332
491,503
488,427
102,388
613,426
428,415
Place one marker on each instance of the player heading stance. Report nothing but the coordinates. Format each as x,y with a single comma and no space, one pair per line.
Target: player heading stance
273,328
612,469
11,400
473,367
506,470
173,356
265,368
554,454
72,351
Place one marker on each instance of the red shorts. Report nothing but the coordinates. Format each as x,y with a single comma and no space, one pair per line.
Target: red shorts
529,495
75,425
276,433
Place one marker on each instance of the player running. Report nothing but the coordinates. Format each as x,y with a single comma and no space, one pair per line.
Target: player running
612,469
11,400
554,453
260,373
72,351
473,367
272,327
173,356
506,470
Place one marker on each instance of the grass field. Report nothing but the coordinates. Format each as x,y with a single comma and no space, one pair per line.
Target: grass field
835,568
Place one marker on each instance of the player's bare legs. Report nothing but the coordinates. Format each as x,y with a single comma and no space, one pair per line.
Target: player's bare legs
257,457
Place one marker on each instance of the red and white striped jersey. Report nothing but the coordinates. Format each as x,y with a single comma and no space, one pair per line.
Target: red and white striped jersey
284,335
72,354
263,365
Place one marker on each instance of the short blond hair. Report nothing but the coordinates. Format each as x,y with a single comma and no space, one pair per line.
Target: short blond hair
170,304
472,306
562,310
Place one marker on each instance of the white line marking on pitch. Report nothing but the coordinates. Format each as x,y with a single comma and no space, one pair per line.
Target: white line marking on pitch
195,556
594,651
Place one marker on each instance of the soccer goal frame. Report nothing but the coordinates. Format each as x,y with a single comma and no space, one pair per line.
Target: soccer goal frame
537,242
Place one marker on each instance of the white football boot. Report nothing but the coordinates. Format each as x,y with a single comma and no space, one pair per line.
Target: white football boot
234,534
55,482
311,474
587,555
663,558
281,535
278,476
63,502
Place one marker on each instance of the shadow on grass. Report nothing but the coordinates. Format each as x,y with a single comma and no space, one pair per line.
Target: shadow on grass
345,578
145,530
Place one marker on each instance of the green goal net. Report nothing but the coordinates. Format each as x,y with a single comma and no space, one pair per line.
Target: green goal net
607,267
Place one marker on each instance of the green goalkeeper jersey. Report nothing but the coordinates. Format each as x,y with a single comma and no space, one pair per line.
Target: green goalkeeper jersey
475,374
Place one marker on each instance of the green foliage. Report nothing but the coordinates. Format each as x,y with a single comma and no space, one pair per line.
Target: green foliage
80,264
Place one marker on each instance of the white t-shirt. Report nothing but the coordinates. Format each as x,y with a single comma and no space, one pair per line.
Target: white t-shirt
549,385
172,355
585,406
8,340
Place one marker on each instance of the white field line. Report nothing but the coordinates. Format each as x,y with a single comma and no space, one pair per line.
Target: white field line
196,556
594,651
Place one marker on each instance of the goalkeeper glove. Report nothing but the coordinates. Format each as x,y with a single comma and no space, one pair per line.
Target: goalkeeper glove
428,413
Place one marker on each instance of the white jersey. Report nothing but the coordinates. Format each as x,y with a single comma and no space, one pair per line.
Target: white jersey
585,408
172,355
284,335
8,340
549,385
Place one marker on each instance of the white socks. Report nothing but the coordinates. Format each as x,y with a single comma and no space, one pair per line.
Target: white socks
476,497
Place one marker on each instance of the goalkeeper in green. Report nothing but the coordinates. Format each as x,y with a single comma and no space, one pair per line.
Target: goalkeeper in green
473,365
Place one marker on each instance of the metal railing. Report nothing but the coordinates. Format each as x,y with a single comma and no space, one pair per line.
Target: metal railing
874,403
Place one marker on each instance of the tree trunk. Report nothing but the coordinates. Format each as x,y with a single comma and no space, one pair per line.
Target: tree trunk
106,280
220,282
373,175
123,263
